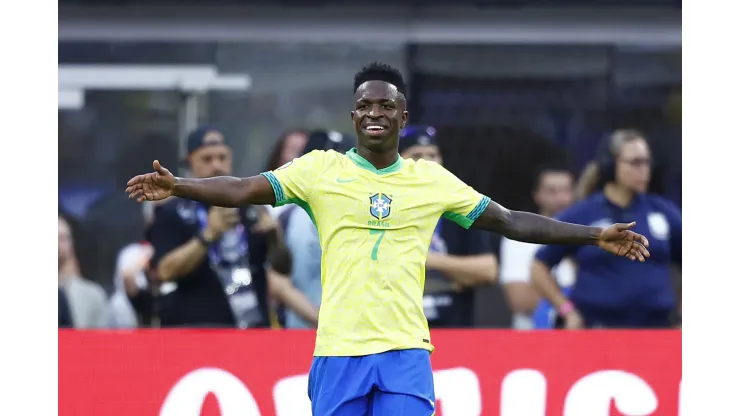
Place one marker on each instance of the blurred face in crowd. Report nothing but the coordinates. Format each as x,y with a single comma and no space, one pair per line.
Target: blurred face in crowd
292,147
426,152
212,159
379,115
66,249
554,192
633,165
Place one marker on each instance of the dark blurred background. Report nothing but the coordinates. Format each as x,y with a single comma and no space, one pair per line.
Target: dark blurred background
508,84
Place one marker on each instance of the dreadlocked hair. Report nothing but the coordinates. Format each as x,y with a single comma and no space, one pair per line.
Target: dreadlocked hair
377,71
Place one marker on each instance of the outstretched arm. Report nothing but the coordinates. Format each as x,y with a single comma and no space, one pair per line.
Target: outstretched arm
221,191
226,191
467,207
533,228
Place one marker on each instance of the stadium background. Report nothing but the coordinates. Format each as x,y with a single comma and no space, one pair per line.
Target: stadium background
508,83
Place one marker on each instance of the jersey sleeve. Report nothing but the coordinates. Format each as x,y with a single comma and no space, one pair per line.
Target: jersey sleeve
293,182
462,204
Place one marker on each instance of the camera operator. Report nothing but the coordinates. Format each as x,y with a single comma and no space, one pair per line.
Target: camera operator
216,256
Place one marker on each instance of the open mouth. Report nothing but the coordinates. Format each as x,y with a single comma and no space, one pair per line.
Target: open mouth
375,130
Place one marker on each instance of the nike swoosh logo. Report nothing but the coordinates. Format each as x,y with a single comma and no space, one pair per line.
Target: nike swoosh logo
340,180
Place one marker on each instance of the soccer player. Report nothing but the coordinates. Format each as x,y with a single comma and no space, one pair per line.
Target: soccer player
375,213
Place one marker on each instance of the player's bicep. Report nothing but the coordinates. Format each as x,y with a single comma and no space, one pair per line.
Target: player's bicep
493,218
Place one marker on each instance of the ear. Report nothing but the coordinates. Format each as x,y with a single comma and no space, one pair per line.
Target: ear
404,118
352,115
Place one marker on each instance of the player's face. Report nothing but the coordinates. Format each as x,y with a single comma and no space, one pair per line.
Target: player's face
633,165
379,115
210,161
554,193
426,152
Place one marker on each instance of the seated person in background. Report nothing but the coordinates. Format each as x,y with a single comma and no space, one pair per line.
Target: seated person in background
552,193
610,291
302,238
216,256
86,300
458,259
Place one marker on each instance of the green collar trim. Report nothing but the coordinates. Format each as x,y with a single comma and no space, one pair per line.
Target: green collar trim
364,164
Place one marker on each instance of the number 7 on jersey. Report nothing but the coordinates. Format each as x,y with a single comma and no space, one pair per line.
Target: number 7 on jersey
381,233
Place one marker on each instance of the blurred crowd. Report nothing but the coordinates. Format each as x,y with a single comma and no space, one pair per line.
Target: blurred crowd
259,267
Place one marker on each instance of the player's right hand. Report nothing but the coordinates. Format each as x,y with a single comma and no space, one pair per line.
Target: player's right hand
153,186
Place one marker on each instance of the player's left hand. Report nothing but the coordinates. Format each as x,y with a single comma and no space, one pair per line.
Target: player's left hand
619,240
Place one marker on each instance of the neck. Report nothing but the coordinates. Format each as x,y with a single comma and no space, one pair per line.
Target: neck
546,213
379,160
68,270
618,195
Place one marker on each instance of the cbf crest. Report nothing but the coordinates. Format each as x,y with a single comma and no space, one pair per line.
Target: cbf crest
380,206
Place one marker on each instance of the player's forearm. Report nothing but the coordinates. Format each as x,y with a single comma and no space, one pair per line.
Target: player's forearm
221,191
181,261
545,284
533,228
466,270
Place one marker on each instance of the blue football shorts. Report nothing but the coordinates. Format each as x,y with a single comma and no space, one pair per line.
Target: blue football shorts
386,384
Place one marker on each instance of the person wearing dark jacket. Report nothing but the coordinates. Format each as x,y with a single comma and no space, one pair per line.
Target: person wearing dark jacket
610,291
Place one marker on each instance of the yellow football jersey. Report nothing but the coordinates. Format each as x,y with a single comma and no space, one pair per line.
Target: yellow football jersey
375,227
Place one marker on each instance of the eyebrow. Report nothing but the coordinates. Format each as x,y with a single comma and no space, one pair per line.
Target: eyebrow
374,100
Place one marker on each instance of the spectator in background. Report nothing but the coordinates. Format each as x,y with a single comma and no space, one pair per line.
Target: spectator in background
216,256
302,237
133,301
86,300
611,291
130,286
553,192
289,146
458,259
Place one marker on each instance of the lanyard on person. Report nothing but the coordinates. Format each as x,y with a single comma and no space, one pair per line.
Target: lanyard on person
229,258
231,248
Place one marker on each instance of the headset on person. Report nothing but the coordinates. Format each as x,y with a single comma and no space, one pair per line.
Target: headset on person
606,160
